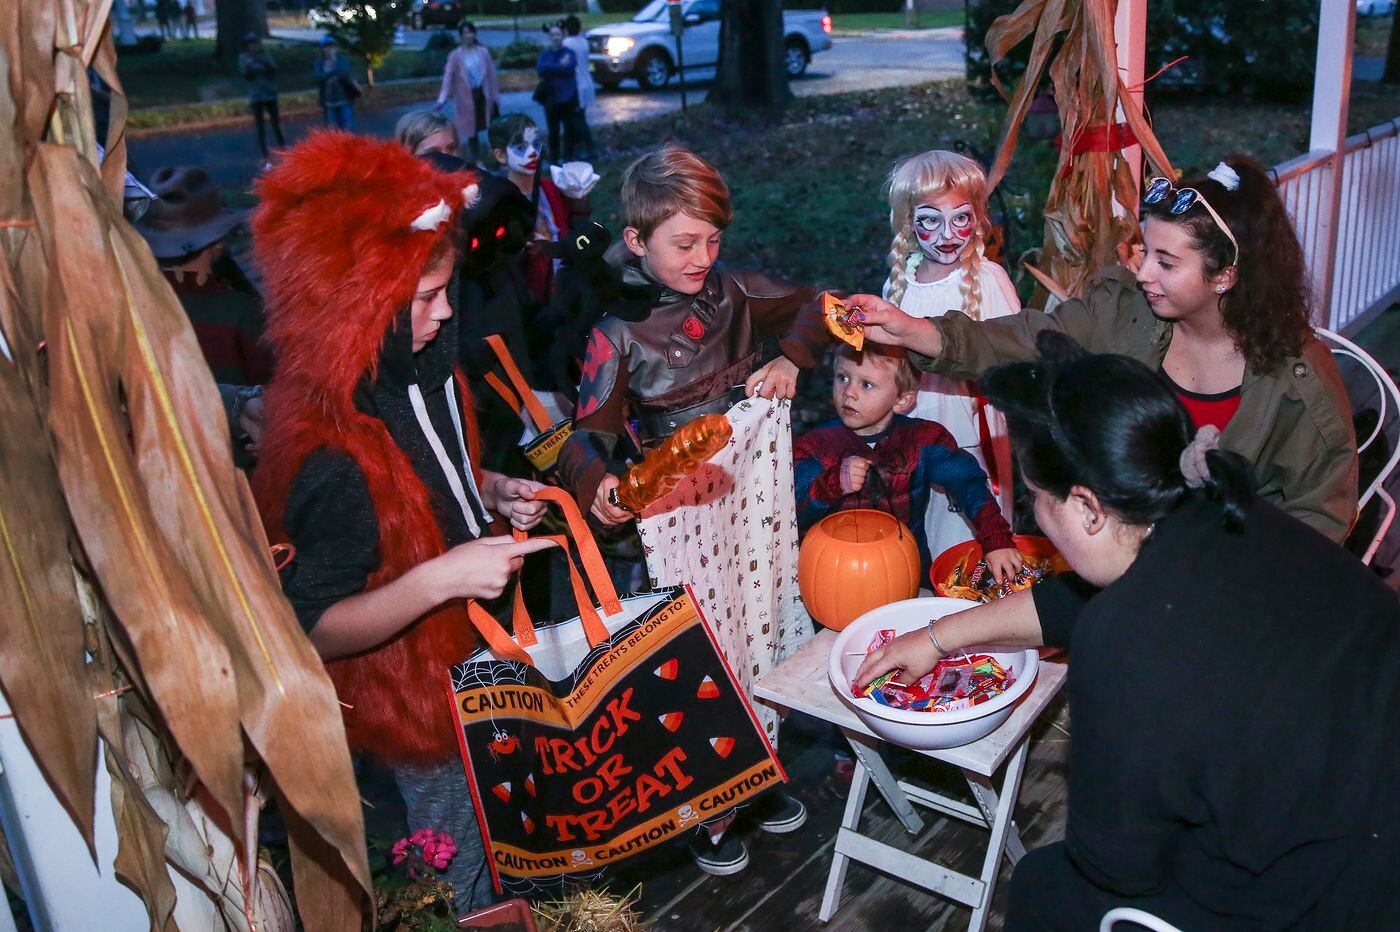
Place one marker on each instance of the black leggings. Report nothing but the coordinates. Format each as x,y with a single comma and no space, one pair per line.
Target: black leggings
270,106
567,117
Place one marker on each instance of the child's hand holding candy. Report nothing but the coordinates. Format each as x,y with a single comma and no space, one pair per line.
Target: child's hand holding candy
1004,564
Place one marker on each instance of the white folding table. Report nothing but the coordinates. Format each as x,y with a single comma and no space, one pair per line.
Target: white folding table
801,683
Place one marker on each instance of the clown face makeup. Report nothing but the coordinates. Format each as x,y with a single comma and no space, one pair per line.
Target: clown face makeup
523,157
944,225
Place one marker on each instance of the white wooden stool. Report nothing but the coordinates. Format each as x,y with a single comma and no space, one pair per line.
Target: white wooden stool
801,683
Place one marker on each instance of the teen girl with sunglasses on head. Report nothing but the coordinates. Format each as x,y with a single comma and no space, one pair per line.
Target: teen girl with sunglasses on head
1220,307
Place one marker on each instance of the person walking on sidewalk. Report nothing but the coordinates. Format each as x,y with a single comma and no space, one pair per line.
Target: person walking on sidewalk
469,83
576,43
338,89
260,71
558,94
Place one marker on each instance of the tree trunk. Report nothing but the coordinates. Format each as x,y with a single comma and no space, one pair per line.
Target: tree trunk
1392,52
750,79
234,20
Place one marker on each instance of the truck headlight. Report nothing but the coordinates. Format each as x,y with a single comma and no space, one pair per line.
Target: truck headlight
616,45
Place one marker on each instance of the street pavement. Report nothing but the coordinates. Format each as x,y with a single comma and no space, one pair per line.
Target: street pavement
868,62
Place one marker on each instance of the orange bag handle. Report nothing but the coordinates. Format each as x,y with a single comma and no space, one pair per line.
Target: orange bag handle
533,408
506,394
501,642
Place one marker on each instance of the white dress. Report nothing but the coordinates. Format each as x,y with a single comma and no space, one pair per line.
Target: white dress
951,402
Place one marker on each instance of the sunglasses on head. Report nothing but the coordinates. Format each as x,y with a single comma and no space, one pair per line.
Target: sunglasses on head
1180,200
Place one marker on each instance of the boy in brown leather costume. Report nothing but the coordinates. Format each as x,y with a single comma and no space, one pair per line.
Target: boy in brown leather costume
712,336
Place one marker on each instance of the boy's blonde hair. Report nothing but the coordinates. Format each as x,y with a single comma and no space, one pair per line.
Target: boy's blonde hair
416,125
906,377
673,180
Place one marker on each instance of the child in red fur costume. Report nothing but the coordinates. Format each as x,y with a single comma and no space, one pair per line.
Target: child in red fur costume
368,463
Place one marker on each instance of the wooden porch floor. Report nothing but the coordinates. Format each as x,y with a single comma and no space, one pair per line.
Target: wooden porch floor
782,887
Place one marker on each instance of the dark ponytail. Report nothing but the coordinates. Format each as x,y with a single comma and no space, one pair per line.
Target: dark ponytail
1112,425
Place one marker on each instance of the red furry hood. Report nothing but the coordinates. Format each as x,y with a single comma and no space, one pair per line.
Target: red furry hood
335,239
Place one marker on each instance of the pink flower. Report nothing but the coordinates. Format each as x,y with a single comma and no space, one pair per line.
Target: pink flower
422,836
400,850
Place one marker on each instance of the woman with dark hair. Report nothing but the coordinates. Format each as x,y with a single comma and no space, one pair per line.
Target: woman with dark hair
1220,307
1235,678
557,67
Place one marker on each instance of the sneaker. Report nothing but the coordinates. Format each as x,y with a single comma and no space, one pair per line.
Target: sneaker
781,814
727,857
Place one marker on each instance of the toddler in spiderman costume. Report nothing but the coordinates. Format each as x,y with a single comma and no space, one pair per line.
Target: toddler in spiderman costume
875,456
709,338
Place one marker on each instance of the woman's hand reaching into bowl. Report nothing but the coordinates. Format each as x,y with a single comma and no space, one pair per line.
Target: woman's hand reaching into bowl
912,653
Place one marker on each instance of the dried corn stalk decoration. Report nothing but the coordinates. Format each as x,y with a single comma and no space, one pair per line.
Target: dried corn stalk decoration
142,604
1082,229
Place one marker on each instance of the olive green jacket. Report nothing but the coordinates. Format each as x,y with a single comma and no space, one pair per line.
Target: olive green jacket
1293,423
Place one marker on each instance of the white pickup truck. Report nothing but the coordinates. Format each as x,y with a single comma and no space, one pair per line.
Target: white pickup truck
645,49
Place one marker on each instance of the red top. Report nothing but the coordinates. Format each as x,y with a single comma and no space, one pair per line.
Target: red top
1208,409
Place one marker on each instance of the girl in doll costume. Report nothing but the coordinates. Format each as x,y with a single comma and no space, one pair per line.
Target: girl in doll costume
369,464
938,214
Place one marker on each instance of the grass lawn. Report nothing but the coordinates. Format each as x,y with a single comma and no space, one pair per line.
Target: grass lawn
807,191
1372,34
186,71
847,23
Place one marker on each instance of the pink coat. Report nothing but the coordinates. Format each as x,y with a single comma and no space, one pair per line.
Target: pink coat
457,88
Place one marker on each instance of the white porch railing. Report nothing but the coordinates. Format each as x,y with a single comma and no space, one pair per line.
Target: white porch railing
1366,275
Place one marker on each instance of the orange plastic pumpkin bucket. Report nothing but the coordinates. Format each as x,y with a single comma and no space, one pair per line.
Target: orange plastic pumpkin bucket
854,561
968,553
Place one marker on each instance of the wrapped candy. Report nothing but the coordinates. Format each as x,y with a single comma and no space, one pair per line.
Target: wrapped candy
956,683
843,324
678,457
977,583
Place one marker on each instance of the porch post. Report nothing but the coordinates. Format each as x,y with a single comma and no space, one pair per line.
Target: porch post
1130,35
1336,34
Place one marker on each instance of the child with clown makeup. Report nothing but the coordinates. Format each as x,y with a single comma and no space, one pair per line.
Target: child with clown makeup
517,146
938,214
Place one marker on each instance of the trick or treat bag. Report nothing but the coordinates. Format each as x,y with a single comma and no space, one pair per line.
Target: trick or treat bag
545,429
590,740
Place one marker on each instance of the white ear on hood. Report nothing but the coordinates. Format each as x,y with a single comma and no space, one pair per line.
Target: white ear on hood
470,194
433,217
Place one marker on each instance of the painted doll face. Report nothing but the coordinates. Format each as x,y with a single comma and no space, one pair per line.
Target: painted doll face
523,157
944,226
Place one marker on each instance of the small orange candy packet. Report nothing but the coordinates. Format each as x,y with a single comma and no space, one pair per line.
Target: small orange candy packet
839,321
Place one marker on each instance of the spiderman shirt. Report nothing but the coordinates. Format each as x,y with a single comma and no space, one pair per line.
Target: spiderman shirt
906,459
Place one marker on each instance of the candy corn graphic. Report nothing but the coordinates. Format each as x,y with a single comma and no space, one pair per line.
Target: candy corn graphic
530,784
722,746
707,690
669,669
528,823
671,720
502,791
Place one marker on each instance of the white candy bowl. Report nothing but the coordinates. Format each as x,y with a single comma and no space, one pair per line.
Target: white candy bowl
924,731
